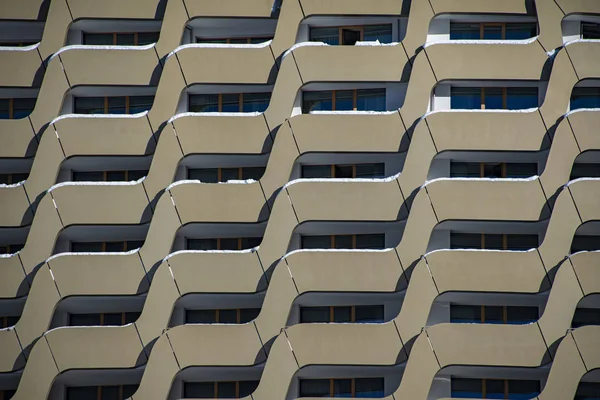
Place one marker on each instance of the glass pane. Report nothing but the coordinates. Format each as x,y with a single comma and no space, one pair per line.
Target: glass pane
231,102
22,107
586,316
344,100
247,388
132,317
316,242
465,98
199,390
253,172
465,170
316,101
494,242
84,319
228,316
369,387
521,98
135,175
207,175
492,170
462,31
343,171
250,242
465,240
138,104
202,244
12,321
316,171
86,247
514,170
585,171
383,33
521,315
522,389
133,244
116,105
342,388
257,40
238,41
203,103
248,314
585,243
208,40
588,391
369,314
115,176
95,176
229,244
372,241
82,393
350,36
371,100
314,388
521,242
492,32
8,394
200,316
585,97
256,102
129,390
229,174
370,171
314,314
467,388
493,98
342,314
98,39
147,38
465,314
109,393
114,246
89,105
125,39
519,31
4,108
330,36
494,315
494,389
113,319
19,177
590,30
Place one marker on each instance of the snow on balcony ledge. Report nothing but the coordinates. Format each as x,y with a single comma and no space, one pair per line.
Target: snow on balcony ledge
303,44
483,41
221,46
127,183
113,253
100,47
20,48
213,114
12,185
581,110
529,179
521,111
352,112
68,116
179,252
579,180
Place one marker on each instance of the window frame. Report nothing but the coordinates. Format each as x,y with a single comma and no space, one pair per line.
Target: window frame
240,172
483,240
334,100
105,174
504,96
238,314
220,100
503,25
353,239
114,37
333,168
123,318
506,383
99,390
482,313
352,312
106,98
216,387
11,106
104,243
360,28
239,242
332,385
202,40
482,165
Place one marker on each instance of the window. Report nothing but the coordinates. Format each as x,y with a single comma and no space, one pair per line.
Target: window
493,98
492,31
108,176
221,390
117,392
494,388
16,108
344,100
236,40
120,39
7,394
585,243
585,97
10,248
343,314
370,241
588,391
352,387
9,179
590,30
229,102
490,241
515,315
585,171
349,35
214,175
103,319
344,171
103,247
492,170
585,316
224,316
6,322
223,243
112,105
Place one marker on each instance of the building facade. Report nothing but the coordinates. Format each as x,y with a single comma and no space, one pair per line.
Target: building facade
299,199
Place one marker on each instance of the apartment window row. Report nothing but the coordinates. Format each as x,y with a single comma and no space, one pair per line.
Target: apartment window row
103,247
223,243
223,316
120,39
344,100
494,388
489,241
352,387
21,43
492,170
11,248
112,104
215,175
9,179
585,243
344,171
590,30
493,314
585,97
219,390
108,176
581,170
586,316
349,35
343,314
16,108
116,392
103,319
492,30
235,40
367,241
493,98
229,102
7,322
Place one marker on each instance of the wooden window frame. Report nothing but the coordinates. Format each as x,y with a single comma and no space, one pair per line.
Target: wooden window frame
99,391
484,387
504,240
504,96
360,28
229,39
484,24
220,172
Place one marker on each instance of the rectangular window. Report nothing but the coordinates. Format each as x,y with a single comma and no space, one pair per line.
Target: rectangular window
588,391
16,108
112,104
229,102
344,171
586,316
494,388
10,248
120,39
116,392
585,243
343,314
368,241
103,319
581,170
237,40
349,35
492,170
590,30
223,243
351,387
224,316
103,247
585,97
344,100
493,98
492,31
9,179
493,241
516,315
222,390
214,175
108,176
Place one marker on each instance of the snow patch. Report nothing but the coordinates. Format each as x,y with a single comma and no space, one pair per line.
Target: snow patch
352,112
113,253
529,179
8,255
303,44
333,180
221,46
579,180
581,109
65,116
376,43
336,251
481,250
20,48
100,47
128,183
197,181
175,253
12,185
524,110
483,41
582,41
214,114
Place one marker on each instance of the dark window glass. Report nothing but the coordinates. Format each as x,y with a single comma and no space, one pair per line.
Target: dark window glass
314,388
228,316
369,387
493,98
114,246
82,393
370,170
19,177
590,30
238,41
464,31
8,394
466,388
147,38
494,314
250,242
98,39
588,391
129,390
208,40
248,314
585,97
465,170
117,105
521,242
115,176
229,174
465,240
200,316
4,108
16,247
231,102
342,314
586,316
132,317
253,172
522,389
202,244
133,244
370,100
344,100
520,31
492,170
492,32
343,242
229,244
330,36
373,241
521,98
342,388
199,390
113,319
86,247
125,39
109,393
521,170
465,98
494,242
89,105
257,40
256,102
314,314
138,104
350,36
316,171
226,390
84,319
203,103
521,315
22,107
316,242
494,389
585,243
383,33
369,314
465,314
247,388
582,171
207,175
93,176
135,175
317,101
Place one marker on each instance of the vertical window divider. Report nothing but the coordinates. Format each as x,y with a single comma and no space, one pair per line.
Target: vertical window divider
239,172
99,393
503,31
237,387
218,243
481,31
241,102
102,319
219,175
332,171
106,103
216,388
135,38
331,313
483,241
481,170
121,386
482,314
483,98
506,388
504,241
220,102
127,102
333,241
122,318
104,176
331,388
239,244
114,38
103,247
354,241
216,319
503,169
354,166
237,315
11,108
483,388
353,387
333,100
504,96
354,99
505,314
353,314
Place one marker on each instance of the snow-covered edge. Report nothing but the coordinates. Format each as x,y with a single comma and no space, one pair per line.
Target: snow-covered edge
67,116
333,180
302,44
579,180
483,41
194,181
213,114
352,112
20,48
111,253
524,110
127,183
178,252
481,250
336,251
529,179
12,185
221,46
100,47
581,109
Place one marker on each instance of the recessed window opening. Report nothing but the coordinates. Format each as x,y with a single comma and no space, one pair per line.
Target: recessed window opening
586,165
16,108
20,33
361,314
13,239
344,100
491,241
367,170
112,104
113,392
229,30
103,319
494,388
586,94
342,387
486,314
239,243
588,391
349,35
111,32
590,30
221,390
492,170
100,238
493,98
221,316
492,30
364,241
229,102
216,175
120,38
